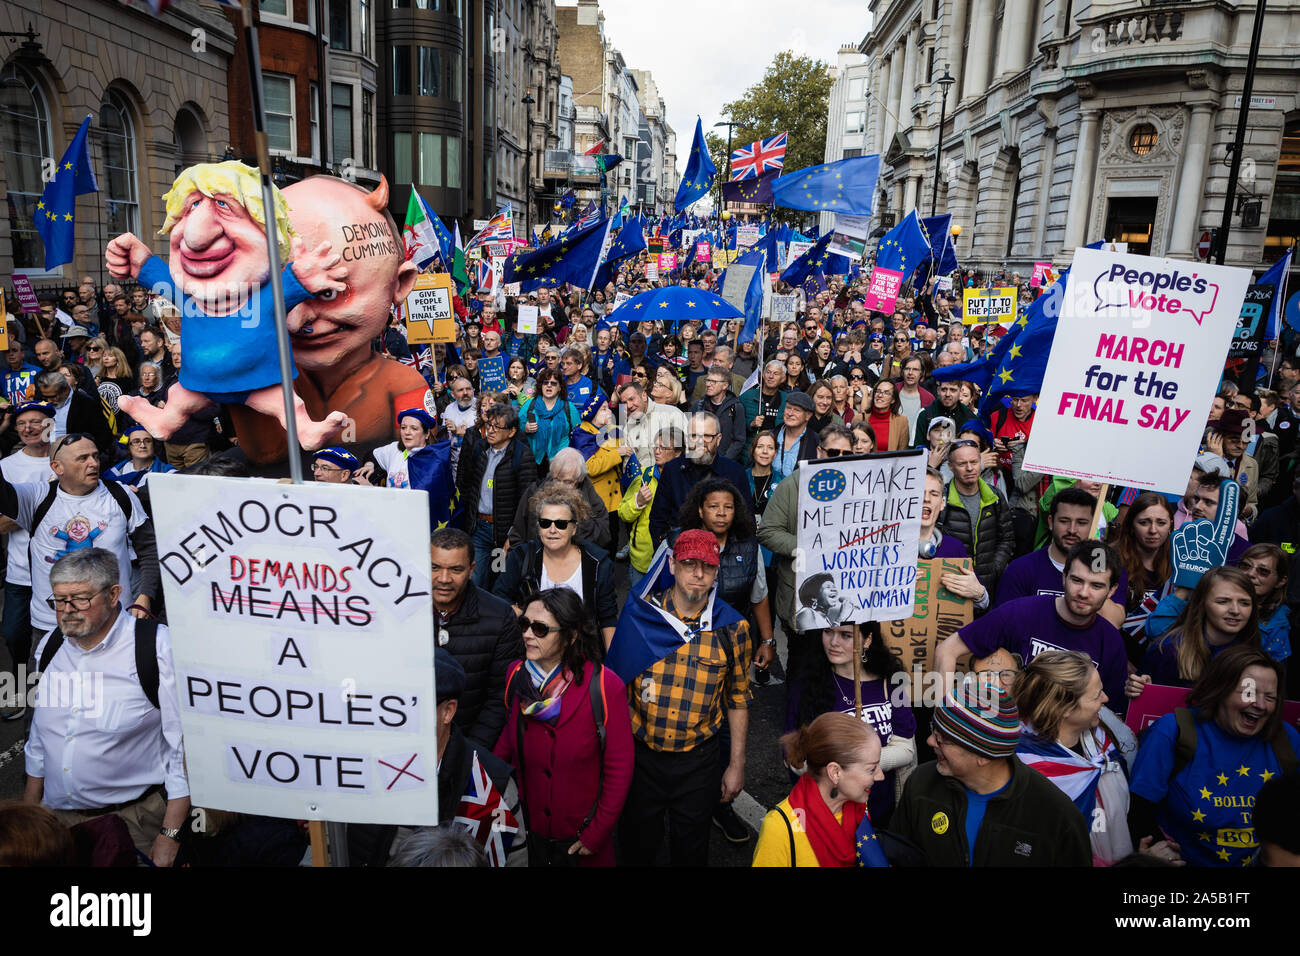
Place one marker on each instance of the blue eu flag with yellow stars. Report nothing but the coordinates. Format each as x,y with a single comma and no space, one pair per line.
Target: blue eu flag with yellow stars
867,845
57,209
629,241
904,247
574,258
847,186
699,171
816,261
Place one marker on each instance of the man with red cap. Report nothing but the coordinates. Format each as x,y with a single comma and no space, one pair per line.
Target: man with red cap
698,653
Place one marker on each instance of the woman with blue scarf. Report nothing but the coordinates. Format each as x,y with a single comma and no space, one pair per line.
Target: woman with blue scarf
550,419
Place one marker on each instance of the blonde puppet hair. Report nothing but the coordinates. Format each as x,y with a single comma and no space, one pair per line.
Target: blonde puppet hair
237,180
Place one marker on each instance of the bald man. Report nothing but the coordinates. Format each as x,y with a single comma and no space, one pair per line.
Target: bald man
337,369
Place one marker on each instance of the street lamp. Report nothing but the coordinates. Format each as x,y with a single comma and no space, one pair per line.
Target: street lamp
721,201
528,102
944,82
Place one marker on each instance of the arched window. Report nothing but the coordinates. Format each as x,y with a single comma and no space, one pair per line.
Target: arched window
24,141
119,184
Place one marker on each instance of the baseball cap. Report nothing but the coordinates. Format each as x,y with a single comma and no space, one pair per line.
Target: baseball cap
697,545
1211,463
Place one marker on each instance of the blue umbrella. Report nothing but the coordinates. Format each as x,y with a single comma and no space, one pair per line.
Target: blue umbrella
674,304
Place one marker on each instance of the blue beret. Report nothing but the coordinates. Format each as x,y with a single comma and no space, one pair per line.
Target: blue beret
338,456
45,408
420,415
448,675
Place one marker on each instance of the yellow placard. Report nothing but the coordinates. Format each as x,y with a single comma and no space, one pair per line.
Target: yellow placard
984,306
427,310
4,336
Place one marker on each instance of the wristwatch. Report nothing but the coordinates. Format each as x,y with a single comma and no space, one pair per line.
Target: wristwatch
171,833
770,642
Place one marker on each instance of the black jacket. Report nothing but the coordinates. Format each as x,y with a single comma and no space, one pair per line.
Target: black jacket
522,578
1030,823
516,471
86,415
483,635
993,539
678,477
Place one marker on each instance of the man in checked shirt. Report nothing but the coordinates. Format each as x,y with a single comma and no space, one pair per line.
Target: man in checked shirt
678,705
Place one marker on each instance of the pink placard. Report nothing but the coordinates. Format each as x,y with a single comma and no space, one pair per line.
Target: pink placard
26,295
1040,273
1157,700
703,253
667,261
882,289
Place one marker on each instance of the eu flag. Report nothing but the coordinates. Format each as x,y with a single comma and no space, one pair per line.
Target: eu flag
751,190
846,186
816,261
629,241
573,258
1276,277
429,469
942,251
756,257
57,208
904,247
699,171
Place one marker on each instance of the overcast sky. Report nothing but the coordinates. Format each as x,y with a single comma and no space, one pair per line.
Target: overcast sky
704,53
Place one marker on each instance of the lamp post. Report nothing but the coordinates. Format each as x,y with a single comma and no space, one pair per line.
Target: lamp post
1219,250
944,82
722,203
528,102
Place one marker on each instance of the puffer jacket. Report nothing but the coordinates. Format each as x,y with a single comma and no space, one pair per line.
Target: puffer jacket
483,635
991,542
515,472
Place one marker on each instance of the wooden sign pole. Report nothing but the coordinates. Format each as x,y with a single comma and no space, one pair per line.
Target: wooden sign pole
857,670
1096,515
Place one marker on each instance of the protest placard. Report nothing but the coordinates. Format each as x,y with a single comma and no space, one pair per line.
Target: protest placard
1248,338
528,319
937,613
796,249
982,306
1156,700
27,301
652,271
1136,359
302,641
859,521
492,373
736,284
512,288
703,252
1039,277
746,236
850,236
882,289
784,308
667,261
427,310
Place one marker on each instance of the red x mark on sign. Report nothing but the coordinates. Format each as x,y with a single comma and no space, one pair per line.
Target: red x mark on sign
402,771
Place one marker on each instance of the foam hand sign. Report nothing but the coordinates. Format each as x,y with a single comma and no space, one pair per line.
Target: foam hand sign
1200,545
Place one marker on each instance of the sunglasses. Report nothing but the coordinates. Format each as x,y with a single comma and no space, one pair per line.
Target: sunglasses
561,523
69,439
834,452
539,629
965,443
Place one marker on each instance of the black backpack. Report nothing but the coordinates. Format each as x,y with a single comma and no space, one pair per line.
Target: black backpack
1185,745
146,656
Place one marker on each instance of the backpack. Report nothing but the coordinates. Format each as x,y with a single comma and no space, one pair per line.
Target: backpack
1185,745
118,493
146,656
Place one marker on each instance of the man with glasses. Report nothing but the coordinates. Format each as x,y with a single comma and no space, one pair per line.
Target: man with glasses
124,755
76,512
679,476
141,462
720,402
779,533
334,466
812,332
976,804
491,480
912,397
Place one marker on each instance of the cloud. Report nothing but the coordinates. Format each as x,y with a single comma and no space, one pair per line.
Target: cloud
704,53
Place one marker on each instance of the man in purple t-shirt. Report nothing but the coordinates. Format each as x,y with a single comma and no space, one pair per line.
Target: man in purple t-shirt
1041,571
1070,622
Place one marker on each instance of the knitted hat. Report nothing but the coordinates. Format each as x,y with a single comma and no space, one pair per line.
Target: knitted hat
448,675
975,725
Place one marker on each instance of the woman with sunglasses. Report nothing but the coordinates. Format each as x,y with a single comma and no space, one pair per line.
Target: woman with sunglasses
566,735
549,418
558,558
900,349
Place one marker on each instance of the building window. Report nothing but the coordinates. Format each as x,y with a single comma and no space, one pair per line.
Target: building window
1142,139
341,123
278,98
119,166
850,153
453,76
855,121
426,4
276,8
430,159
24,142
453,150
402,157
401,4
1284,205
340,25
856,91
367,129
313,110
453,162
401,71
363,16
430,72
1017,184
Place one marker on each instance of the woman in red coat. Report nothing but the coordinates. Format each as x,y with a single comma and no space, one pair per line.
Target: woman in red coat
572,785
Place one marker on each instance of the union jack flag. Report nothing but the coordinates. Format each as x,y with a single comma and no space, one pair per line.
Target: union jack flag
483,812
758,157
484,276
589,216
421,359
500,228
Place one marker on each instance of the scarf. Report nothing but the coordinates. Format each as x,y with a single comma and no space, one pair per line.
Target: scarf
553,427
541,695
833,841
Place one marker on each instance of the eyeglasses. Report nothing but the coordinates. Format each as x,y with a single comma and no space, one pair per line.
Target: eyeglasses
561,523
94,348
79,602
965,443
317,466
539,629
857,378
1006,676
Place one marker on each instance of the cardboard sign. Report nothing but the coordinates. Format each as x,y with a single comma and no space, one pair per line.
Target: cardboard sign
785,308
984,306
27,301
746,236
303,647
937,613
1040,273
427,310
1135,362
858,526
882,289
667,261
652,272
527,321
1156,700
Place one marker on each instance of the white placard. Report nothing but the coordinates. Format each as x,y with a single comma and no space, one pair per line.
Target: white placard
796,249
746,236
302,639
652,271
527,324
858,527
1136,359
785,308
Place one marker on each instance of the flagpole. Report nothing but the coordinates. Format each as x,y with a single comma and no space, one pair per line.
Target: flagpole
272,248
1280,304
857,671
